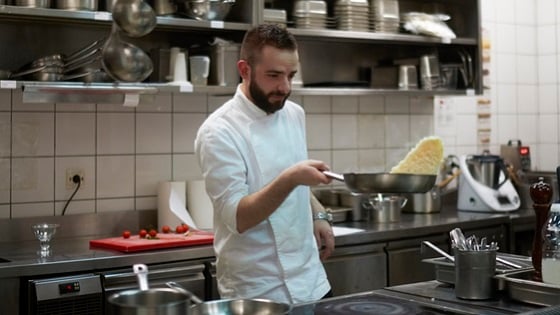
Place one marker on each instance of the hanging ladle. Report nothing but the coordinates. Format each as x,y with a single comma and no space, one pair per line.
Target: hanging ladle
124,61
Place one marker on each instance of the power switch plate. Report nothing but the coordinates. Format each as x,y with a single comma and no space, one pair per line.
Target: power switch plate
70,174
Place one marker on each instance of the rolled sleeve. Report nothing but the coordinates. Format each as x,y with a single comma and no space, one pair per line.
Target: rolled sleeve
224,172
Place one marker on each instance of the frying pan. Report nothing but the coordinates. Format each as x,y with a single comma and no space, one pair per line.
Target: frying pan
233,306
367,183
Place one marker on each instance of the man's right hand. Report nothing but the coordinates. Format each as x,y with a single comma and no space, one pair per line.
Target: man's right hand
309,173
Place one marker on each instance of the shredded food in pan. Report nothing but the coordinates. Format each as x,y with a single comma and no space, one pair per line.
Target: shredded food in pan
425,158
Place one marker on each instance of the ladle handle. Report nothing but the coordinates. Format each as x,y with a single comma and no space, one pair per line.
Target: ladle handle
141,271
332,175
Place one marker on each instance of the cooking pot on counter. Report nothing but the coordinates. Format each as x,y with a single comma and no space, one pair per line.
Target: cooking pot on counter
177,300
146,301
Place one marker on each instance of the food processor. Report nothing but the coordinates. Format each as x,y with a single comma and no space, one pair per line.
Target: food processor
484,185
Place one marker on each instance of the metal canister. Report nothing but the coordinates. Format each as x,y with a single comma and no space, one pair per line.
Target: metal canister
223,65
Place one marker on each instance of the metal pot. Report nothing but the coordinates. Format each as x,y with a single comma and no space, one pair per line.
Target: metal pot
385,208
159,301
428,202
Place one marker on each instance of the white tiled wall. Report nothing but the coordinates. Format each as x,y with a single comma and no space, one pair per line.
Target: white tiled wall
124,152
525,55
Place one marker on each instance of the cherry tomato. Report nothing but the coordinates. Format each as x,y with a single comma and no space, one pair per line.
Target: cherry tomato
165,229
186,227
153,233
179,229
126,234
143,233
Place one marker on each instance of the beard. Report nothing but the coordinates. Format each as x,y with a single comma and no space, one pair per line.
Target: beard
261,98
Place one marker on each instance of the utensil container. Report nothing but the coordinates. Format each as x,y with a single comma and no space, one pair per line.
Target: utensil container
474,273
223,66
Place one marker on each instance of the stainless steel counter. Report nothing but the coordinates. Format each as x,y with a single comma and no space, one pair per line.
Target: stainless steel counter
73,254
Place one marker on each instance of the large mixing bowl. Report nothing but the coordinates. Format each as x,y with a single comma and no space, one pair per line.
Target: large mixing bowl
206,10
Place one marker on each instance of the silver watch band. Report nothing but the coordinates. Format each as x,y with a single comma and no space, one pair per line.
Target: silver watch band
323,215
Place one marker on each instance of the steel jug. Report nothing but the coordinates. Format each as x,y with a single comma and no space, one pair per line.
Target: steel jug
486,169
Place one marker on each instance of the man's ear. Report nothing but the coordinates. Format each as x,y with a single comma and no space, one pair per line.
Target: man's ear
244,69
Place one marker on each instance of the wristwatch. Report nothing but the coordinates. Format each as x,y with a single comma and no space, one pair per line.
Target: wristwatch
323,215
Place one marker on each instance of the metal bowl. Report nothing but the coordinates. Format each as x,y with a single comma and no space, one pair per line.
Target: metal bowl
206,10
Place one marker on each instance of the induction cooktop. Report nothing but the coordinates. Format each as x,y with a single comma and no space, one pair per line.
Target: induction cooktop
381,303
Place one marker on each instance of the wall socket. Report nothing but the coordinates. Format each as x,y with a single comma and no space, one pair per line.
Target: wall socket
70,173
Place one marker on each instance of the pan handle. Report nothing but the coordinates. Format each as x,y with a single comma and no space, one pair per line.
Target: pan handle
141,272
332,175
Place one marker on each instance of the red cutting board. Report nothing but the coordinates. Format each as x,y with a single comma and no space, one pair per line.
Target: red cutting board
136,244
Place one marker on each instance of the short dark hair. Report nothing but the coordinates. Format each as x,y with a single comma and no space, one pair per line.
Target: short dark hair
265,35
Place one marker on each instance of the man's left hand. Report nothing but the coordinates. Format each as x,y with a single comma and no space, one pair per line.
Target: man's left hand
325,238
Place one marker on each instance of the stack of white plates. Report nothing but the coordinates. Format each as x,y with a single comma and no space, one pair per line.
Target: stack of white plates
384,16
310,14
352,15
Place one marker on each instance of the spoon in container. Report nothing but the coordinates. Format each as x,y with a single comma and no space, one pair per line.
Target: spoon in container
440,251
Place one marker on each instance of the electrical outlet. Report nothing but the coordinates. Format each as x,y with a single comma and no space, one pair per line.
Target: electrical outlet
70,174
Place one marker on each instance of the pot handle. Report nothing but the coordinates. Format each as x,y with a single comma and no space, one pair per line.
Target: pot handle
141,271
175,286
332,175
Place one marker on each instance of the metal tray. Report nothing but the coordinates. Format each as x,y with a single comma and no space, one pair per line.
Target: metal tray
521,287
445,269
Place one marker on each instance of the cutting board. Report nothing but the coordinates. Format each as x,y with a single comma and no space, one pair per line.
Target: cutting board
136,244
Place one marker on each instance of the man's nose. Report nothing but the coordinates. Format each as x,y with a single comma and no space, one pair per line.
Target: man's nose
284,85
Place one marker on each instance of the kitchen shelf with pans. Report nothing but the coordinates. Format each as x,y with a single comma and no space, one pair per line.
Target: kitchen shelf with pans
105,18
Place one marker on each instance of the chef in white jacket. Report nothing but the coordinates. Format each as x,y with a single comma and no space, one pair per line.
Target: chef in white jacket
269,240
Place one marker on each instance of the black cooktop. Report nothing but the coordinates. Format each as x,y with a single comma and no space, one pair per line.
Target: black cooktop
373,304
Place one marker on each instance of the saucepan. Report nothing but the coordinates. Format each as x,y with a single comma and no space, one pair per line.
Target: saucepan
157,301
367,183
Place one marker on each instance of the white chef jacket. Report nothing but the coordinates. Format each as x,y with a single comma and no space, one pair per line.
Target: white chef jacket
240,150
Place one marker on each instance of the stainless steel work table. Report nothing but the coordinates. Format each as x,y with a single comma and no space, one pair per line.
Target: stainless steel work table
73,254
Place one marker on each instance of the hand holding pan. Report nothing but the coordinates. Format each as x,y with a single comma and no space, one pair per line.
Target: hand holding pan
367,183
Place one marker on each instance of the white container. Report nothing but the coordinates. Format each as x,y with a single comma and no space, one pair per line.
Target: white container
199,69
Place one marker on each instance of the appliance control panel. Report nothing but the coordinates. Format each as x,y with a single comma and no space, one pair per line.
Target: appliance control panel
517,155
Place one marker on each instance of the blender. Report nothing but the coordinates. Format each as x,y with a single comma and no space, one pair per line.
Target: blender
484,185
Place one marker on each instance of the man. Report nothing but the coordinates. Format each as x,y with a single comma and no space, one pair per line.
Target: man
253,156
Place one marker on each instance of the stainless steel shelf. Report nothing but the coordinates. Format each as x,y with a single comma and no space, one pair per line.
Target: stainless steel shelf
128,94
104,17
334,91
133,94
325,34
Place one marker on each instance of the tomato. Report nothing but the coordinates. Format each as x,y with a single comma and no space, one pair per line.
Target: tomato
185,226
143,233
153,233
179,229
126,234
165,229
